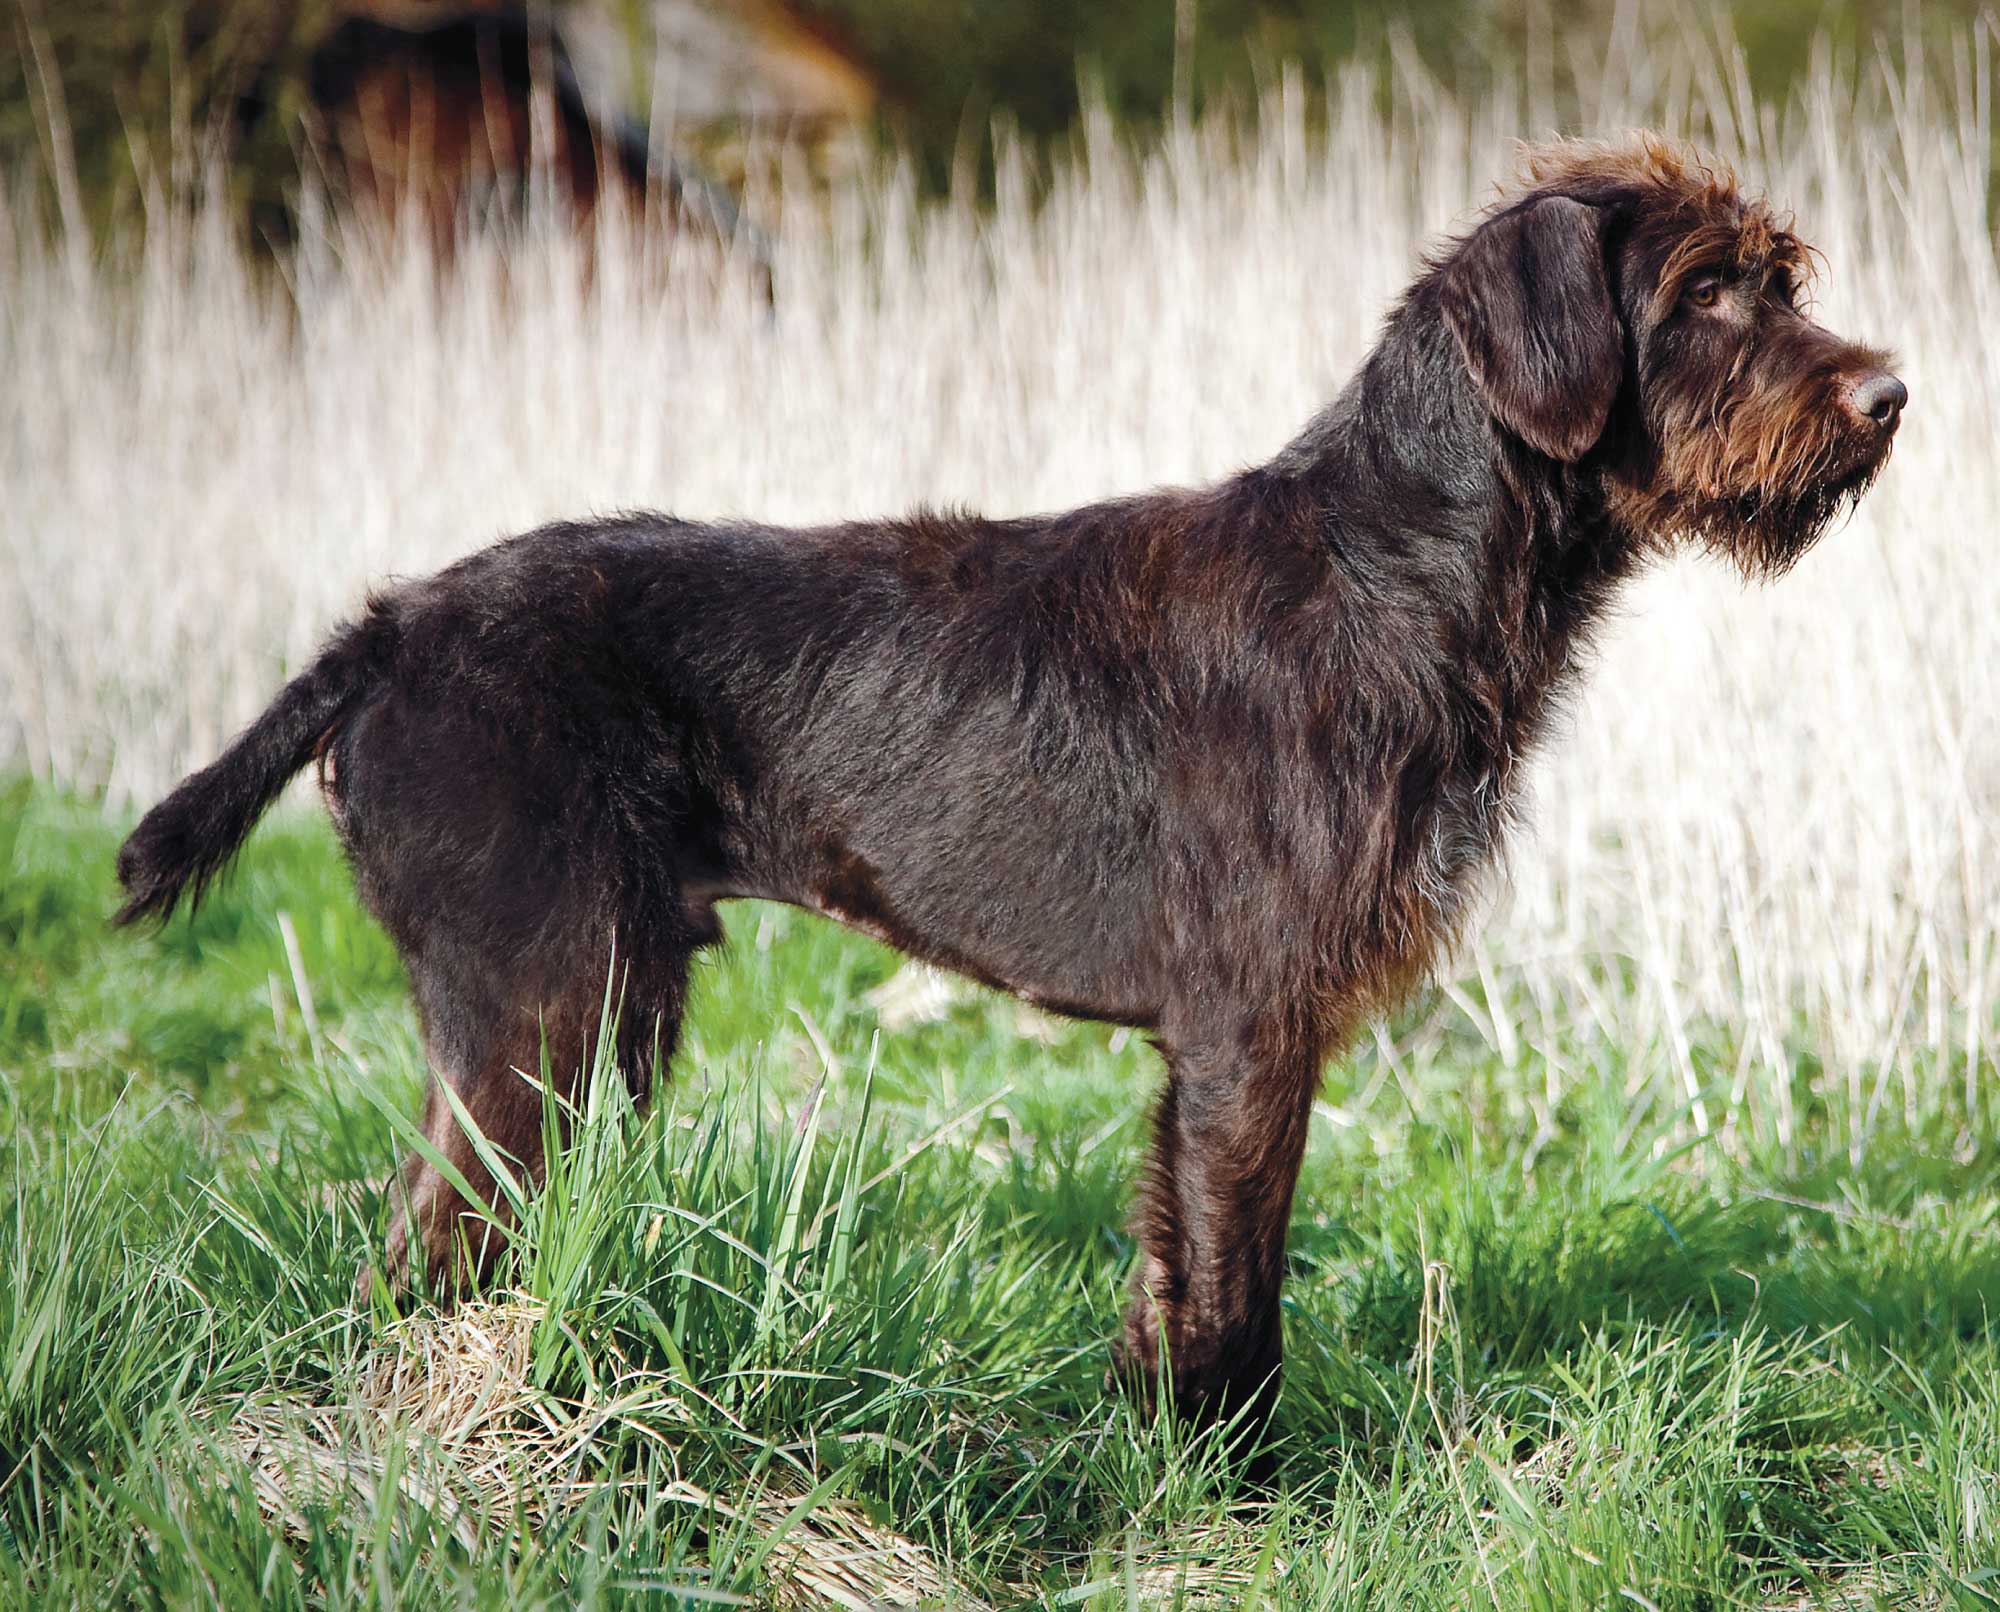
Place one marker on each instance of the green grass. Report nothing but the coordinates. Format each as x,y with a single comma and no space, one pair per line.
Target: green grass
1602,1366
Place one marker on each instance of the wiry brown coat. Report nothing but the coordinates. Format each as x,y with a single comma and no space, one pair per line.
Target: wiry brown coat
1224,765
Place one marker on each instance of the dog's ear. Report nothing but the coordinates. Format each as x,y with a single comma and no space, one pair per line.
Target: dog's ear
1527,298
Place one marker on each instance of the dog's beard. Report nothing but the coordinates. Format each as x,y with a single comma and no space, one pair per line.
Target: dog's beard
1760,482
1764,533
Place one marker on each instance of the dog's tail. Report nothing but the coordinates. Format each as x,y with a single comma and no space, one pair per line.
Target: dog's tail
186,840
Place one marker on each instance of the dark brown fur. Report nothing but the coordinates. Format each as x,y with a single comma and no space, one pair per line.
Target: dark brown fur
1225,765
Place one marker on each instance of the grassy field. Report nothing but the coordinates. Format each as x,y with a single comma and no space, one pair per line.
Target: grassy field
1650,1259
829,1321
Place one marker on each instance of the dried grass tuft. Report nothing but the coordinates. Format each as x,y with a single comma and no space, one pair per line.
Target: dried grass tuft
446,1412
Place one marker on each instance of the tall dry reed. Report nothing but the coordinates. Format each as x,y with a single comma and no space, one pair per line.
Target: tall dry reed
1759,880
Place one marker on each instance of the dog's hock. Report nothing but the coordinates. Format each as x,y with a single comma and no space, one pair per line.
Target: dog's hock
1528,300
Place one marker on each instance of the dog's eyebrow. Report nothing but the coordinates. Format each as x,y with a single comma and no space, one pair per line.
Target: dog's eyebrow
1797,259
1709,248
1754,242
1766,239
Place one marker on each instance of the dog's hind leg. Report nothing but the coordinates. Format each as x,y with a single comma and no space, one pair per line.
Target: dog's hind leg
522,880
487,1046
1211,1221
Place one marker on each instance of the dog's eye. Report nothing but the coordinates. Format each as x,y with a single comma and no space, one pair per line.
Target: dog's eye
1704,292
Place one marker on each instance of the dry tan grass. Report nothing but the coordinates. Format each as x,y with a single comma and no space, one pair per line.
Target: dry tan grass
446,1408
1860,1589
1213,1566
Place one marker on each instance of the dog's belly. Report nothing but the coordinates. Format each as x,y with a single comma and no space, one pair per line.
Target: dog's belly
1030,932
959,832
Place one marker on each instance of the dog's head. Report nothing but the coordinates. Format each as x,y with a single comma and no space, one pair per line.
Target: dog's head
1631,310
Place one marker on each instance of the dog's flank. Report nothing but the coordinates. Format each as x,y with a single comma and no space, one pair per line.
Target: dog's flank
1224,764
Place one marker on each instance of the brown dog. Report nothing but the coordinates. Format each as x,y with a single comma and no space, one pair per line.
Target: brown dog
1224,765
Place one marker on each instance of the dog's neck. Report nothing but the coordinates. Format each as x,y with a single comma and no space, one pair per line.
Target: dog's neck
1435,511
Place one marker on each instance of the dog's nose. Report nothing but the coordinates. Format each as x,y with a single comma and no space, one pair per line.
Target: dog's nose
1879,398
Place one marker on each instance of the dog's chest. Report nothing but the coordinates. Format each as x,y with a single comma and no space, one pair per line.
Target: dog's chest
1461,841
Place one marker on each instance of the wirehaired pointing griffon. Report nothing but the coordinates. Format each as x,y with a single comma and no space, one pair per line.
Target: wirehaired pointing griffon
1222,765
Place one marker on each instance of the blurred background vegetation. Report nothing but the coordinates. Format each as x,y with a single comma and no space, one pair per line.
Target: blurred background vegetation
101,86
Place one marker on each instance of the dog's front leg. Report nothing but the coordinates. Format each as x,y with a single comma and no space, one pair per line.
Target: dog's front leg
1228,1139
